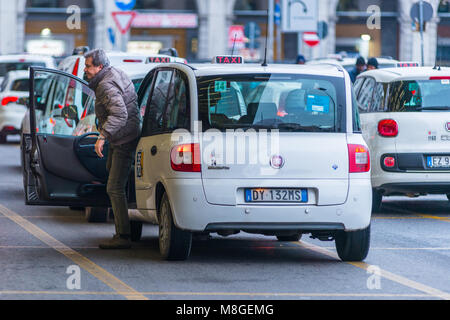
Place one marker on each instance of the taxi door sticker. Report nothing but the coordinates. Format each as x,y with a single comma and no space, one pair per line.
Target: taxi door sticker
220,86
318,103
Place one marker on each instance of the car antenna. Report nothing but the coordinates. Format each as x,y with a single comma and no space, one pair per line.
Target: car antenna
267,36
234,42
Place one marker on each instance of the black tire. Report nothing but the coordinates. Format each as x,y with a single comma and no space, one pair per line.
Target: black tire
96,215
377,199
174,244
292,238
2,138
448,196
353,245
136,230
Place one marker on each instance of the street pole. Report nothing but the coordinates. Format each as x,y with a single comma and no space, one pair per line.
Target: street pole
271,27
421,31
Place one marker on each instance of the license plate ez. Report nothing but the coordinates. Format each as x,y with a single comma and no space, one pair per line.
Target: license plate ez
438,161
279,195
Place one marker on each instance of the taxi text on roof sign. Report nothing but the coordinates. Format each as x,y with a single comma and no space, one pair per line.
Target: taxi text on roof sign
407,64
229,60
158,60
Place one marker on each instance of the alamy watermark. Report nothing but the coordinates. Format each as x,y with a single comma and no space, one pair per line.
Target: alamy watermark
374,280
73,22
73,282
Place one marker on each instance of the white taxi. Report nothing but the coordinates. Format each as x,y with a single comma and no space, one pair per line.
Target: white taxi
274,150
405,118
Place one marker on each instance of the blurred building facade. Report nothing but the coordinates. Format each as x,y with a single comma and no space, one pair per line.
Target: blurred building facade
200,29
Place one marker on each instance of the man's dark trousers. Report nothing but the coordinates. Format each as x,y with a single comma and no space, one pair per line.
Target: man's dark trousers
120,160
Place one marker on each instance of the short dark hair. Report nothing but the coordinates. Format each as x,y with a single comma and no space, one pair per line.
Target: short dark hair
360,61
373,62
99,57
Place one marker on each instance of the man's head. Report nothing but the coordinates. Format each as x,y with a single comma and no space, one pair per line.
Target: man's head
372,64
360,64
96,60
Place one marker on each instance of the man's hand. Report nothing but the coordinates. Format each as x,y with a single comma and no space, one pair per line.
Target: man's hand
99,147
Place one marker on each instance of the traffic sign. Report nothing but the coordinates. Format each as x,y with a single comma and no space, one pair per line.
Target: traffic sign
311,39
427,11
125,5
236,37
299,15
277,13
123,20
322,29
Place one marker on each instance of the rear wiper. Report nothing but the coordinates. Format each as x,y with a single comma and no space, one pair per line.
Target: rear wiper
432,108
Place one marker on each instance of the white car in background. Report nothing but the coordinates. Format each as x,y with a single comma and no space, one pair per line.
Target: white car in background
405,119
14,93
22,62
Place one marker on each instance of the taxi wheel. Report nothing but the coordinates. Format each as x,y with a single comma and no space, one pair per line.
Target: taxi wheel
136,230
353,245
98,215
377,199
293,238
174,244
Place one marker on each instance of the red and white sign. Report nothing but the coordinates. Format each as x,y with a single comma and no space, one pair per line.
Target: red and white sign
123,20
165,20
311,39
238,32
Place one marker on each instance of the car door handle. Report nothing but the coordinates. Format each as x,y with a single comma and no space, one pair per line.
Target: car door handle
154,150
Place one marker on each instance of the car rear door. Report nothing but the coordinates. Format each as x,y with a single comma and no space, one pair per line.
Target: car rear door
60,168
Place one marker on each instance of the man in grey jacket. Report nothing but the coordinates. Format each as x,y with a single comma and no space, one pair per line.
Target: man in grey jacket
119,122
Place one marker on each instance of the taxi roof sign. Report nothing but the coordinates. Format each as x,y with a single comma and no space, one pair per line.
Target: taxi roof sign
157,59
228,60
407,64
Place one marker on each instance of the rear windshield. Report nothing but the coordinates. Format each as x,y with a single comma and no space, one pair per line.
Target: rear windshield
18,66
420,95
289,103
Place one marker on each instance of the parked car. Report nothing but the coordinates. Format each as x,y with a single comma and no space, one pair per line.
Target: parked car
21,62
14,93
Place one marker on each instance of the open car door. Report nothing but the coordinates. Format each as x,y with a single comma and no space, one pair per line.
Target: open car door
61,168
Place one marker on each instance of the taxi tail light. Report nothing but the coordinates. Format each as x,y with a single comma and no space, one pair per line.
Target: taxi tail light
388,128
133,61
186,158
76,67
359,158
8,100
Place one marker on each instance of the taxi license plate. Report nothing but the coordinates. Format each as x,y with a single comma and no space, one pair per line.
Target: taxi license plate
276,195
438,161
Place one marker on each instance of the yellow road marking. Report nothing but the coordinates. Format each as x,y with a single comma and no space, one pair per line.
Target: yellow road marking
97,271
399,218
385,274
251,294
420,215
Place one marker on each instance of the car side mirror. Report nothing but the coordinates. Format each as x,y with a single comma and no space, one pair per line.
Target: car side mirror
70,112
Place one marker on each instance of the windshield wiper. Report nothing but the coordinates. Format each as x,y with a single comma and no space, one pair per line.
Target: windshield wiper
432,108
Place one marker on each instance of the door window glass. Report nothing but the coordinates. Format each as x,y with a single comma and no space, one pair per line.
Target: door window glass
178,111
365,95
62,101
154,122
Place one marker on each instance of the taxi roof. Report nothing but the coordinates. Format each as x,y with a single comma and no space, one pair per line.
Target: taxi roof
407,73
210,69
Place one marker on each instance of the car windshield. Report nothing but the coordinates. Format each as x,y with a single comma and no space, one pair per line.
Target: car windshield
290,103
419,96
6,67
